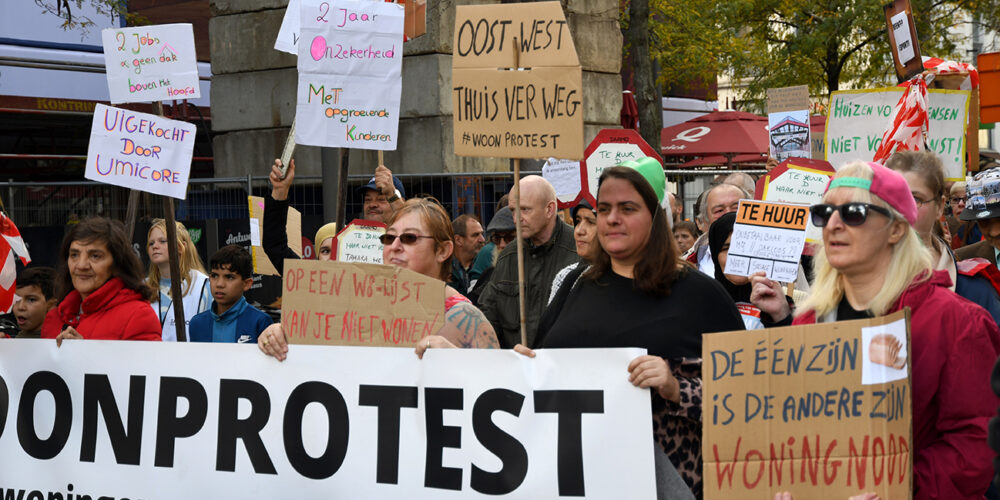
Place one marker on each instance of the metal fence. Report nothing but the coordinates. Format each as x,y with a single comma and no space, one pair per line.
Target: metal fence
32,204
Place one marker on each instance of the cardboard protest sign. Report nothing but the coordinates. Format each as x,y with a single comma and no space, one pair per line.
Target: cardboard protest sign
565,177
199,421
822,411
140,151
350,63
609,148
151,63
340,303
293,227
359,242
858,118
517,87
800,181
767,237
788,122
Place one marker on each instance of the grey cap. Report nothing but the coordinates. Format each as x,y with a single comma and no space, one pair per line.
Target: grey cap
503,220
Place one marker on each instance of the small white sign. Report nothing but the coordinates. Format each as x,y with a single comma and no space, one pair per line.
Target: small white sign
767,237
608,155
151,63
288,34
564,175
350,66
901,31
359,242
140,151
884,353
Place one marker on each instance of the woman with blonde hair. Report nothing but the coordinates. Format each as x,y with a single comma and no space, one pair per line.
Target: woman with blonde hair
196,292
419,238
873,263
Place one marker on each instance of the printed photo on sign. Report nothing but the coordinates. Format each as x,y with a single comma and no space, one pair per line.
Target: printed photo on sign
564,175
350,61
151,63
789,134
884,353
140,151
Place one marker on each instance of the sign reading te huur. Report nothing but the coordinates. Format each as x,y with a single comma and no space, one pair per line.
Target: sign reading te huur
516,82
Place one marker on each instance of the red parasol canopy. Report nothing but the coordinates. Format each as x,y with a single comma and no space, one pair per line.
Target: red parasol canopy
630,111
723,160
726,133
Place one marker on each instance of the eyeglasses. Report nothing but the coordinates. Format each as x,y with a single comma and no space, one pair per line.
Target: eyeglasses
405,238
853,214
959,199
920,203
506,237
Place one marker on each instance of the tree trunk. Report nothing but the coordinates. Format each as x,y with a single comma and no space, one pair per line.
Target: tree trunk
647,95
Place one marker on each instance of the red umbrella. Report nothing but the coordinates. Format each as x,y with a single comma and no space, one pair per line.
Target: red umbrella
630,111
727,133
724,160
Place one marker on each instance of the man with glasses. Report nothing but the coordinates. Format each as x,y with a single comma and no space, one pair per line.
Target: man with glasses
962,232
548,247
719,200
985,211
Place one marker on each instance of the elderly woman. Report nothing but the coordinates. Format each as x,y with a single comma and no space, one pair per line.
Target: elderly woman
101,288
638,293
196,292
873,263
419,238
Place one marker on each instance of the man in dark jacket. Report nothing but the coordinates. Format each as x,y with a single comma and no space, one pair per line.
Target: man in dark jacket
548,247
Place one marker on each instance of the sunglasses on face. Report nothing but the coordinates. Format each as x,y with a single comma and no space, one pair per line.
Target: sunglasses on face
853,214
506,237
405,238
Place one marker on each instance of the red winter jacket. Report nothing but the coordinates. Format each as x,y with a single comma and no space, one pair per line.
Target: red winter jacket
954,345
112,312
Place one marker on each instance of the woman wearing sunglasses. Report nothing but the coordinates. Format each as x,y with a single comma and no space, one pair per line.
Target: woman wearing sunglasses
872,264
419,238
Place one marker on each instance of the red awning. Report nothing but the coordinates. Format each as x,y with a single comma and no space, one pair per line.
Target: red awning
717,133
723,160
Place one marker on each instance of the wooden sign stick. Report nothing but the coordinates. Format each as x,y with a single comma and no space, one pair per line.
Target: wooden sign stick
517,226
176,299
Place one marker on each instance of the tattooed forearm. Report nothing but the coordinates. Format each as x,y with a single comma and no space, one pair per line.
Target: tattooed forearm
474,331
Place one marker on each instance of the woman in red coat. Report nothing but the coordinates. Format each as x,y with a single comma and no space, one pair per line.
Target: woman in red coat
100,281
873,264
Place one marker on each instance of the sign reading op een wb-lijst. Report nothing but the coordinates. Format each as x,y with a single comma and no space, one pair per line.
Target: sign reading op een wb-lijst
140,151
350,66
151,63
516,83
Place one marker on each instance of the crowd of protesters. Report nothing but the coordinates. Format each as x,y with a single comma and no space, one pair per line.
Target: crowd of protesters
628,272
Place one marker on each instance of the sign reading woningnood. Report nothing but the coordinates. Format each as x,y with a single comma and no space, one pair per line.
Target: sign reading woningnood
169,420
858,118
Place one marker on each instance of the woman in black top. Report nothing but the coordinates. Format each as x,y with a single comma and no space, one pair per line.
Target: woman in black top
638,293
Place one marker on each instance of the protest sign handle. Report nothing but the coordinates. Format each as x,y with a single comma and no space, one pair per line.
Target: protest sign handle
345,157
520,249
381,160
286,154
132,213
173,257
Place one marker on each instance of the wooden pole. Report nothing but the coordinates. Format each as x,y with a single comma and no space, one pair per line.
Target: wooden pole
520,249
132,213
345,158
176,299
381,160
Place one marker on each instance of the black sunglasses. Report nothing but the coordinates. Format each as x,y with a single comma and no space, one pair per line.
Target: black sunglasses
405,238
853,214
506,237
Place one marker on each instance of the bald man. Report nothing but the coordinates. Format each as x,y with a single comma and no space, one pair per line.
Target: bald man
548,247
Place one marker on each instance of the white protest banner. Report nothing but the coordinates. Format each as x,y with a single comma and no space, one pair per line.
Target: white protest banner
170,420
799,181
151,63
350,67
564,175
140,151
359,242
767,237
288,33
858,118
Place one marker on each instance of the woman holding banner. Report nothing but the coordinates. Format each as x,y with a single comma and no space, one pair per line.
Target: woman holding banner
196,292
638,293
101,288
873,263
419,238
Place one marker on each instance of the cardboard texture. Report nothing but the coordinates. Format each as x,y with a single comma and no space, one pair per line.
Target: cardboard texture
359,242
517,87
767,237
339,303
787,99
293,227
787,409
858,118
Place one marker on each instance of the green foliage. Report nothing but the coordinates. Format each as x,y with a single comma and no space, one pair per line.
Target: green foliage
72,20
828,44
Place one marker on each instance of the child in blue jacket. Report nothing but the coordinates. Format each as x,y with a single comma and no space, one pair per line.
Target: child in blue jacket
231,318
